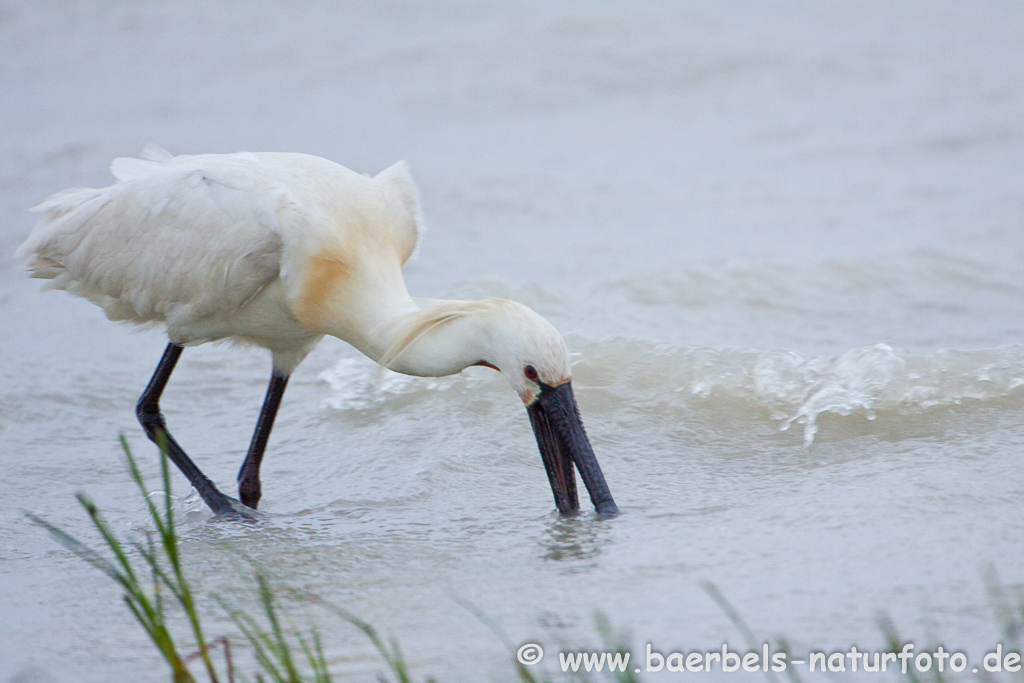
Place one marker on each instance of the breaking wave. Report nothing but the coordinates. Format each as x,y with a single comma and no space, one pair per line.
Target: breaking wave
793,388
797,388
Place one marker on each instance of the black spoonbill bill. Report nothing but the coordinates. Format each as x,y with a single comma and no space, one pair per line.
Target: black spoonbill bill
278,250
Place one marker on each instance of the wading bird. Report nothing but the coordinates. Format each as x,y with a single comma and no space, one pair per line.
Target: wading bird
278,250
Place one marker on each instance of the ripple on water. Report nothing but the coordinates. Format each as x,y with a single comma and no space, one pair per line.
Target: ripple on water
629,378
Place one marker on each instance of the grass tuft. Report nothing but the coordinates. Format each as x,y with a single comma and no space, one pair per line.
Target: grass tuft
155,588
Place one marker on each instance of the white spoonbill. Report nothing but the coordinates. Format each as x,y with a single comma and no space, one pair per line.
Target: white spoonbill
278,250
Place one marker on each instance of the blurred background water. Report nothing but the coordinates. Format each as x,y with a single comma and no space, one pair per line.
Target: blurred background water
784,242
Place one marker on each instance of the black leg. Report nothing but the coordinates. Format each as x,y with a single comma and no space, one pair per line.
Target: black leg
249,475
148,412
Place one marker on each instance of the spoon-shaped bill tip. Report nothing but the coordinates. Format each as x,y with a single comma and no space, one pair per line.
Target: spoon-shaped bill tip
563,443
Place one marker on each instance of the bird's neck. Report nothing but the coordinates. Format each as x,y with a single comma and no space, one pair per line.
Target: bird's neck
427,338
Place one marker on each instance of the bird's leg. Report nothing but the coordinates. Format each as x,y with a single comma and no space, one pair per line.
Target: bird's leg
148,412
249,475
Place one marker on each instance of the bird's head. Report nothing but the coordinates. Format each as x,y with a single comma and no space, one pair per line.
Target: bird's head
532,356
443,337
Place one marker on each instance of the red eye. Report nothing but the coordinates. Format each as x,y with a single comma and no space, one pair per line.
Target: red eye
530,372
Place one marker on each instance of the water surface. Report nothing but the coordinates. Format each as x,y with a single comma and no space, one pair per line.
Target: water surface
784,244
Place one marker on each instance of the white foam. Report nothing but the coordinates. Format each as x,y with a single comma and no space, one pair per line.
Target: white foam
793,388
360,384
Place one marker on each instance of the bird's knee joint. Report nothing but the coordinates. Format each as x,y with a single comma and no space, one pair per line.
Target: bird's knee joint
149,416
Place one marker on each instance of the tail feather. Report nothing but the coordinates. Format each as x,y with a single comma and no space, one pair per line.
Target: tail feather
129,168
153,152
59,231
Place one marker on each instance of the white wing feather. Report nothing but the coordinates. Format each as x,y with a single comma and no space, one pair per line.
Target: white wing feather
180,238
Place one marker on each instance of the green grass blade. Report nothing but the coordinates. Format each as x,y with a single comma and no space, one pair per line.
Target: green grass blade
281,646
784,646
164,522
616,644
391,656
892,639
525,674
77,547
737,621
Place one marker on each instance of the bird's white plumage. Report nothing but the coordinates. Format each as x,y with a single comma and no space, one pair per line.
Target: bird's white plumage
279,250
182,241
194,240
275,249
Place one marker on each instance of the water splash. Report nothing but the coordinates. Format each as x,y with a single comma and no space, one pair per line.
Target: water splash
797,389
360,384
878,377
793,388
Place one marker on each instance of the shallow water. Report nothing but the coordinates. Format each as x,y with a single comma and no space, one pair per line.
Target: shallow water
784,244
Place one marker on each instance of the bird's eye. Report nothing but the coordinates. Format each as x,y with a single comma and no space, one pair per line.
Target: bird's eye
530,372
